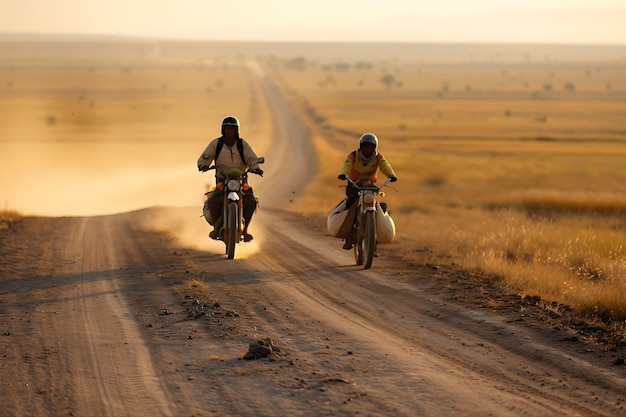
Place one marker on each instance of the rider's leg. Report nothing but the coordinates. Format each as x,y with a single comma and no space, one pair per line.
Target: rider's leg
215,207
249,207
352,195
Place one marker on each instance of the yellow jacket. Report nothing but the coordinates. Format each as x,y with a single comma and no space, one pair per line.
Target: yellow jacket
360,172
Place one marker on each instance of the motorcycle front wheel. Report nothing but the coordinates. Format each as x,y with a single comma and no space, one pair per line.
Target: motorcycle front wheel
231,231
369,239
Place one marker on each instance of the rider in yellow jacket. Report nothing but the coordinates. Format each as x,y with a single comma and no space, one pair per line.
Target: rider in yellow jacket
361,166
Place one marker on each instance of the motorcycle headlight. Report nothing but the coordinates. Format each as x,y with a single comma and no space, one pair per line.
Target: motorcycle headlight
233,185
368,199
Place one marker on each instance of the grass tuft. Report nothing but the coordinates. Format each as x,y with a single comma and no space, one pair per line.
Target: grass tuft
9,216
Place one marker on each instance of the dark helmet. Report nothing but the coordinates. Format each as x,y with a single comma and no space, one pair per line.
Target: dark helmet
369,138
231,121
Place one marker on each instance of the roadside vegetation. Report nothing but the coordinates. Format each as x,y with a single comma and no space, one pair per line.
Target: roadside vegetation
9,216
519,172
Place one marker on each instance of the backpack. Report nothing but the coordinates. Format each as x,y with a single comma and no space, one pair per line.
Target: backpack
220,145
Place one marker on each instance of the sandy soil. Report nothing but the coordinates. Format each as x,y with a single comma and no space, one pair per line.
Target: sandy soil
98,318
114,315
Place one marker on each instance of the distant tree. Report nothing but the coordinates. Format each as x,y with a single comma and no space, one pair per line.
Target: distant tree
363,65
547,87
388,80
299,63
570,87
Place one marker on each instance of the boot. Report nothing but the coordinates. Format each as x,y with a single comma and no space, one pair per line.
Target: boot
349,241
217,226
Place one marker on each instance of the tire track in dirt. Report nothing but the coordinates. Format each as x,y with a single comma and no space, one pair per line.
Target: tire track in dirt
81,350
118,360
443,352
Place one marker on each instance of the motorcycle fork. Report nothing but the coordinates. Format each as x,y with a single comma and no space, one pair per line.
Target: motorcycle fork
240,220
367,202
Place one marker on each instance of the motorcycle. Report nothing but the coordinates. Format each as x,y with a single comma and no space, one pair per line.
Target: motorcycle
365,223
233,223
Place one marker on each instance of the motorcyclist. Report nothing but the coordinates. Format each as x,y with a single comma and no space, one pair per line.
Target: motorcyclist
229,151
361,166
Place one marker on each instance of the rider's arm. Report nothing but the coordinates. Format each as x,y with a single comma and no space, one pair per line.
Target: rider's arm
208,155
347,165
386,168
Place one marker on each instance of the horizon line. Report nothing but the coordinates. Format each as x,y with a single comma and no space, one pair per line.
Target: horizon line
55,37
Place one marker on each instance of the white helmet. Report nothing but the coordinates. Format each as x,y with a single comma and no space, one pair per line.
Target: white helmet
369,138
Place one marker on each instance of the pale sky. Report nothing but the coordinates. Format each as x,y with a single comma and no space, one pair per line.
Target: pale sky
519,21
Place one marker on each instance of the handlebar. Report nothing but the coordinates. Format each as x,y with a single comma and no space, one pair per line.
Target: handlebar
260,160
212,167
367,187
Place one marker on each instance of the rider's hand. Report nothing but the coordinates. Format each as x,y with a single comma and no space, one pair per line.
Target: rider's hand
203,168
258,171
342,176
393,179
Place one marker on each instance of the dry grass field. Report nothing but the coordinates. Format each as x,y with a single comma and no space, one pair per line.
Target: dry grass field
515,168
511,159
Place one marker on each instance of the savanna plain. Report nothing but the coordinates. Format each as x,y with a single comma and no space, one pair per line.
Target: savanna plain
511,159
514,160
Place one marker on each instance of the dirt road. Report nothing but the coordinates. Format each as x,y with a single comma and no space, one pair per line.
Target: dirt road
110,316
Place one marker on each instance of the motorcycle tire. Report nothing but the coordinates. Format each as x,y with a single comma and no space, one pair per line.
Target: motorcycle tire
369,239
231,231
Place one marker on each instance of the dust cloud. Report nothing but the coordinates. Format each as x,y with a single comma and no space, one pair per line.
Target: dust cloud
190,230
84,179
159,183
